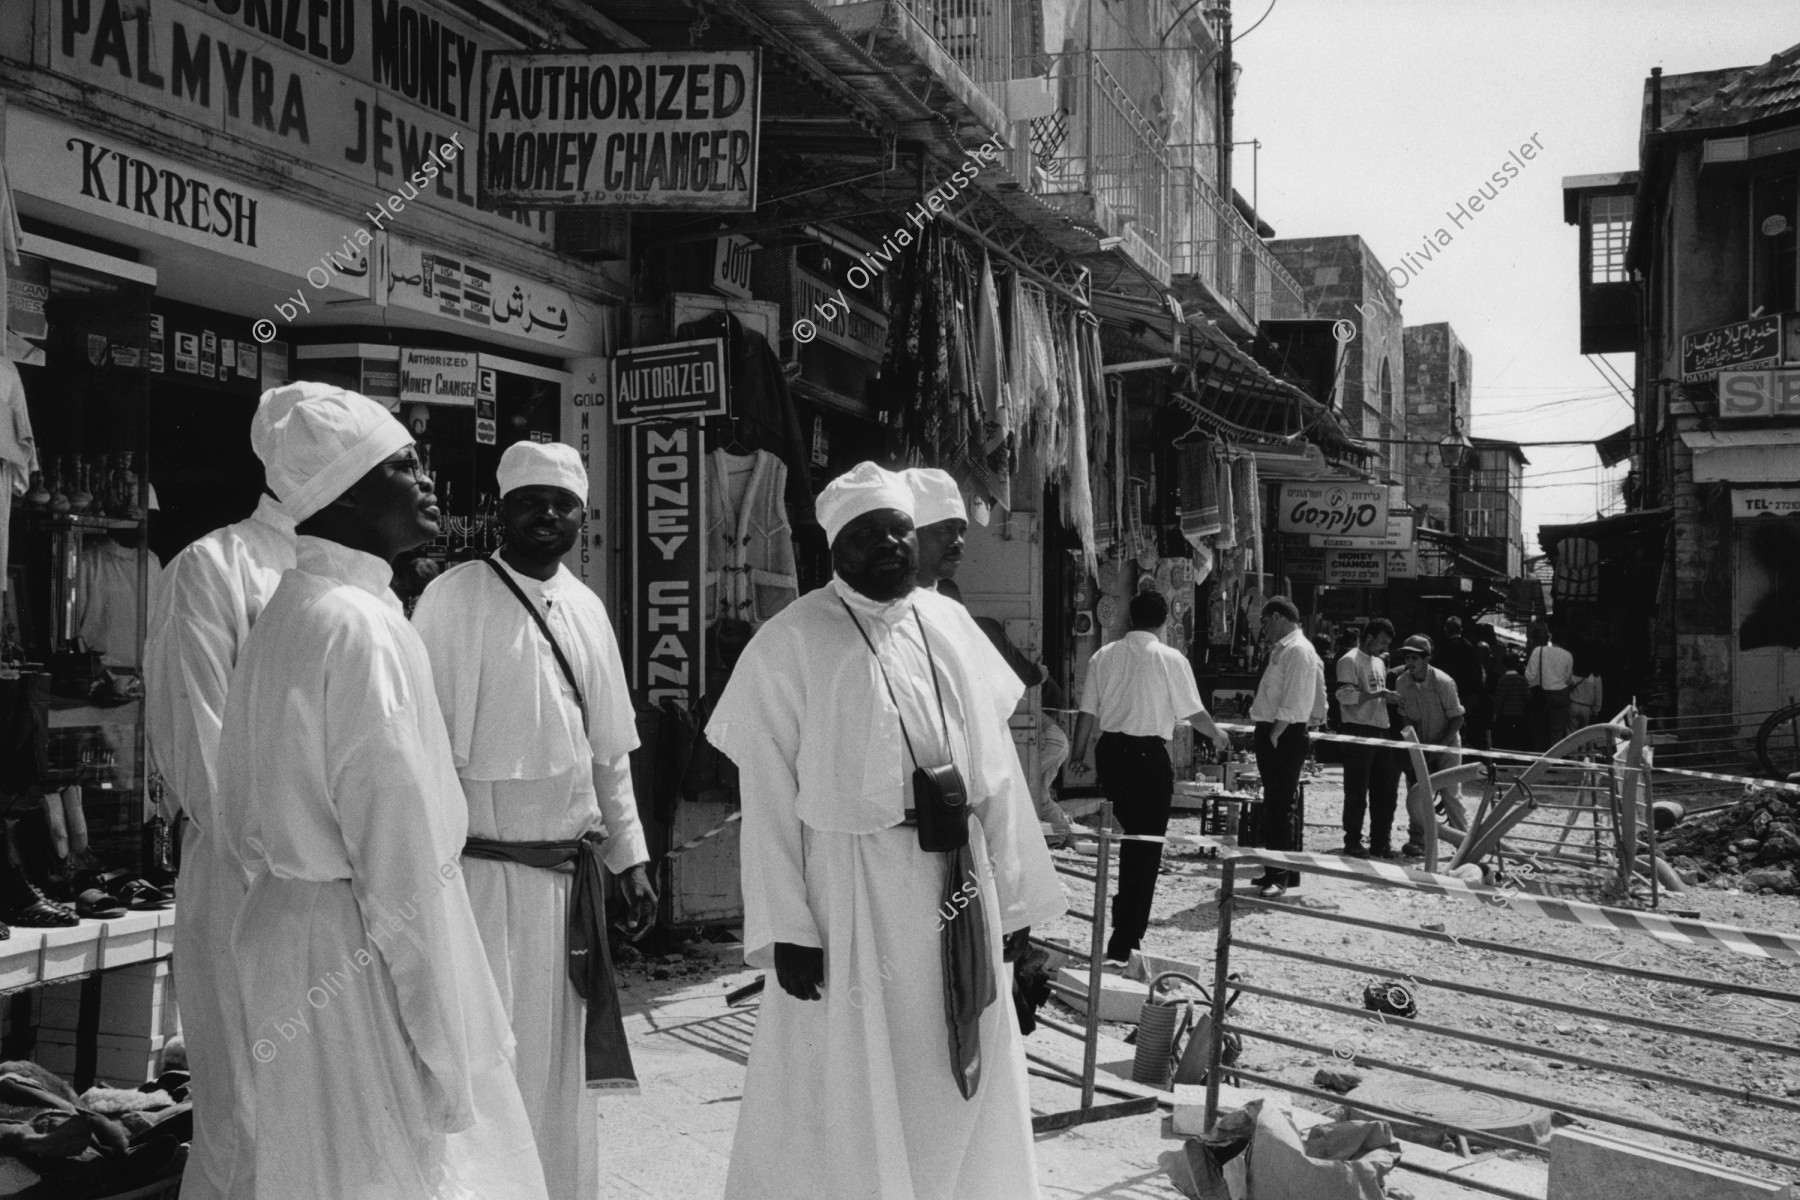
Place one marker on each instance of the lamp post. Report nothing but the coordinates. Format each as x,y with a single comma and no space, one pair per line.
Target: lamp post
1456,450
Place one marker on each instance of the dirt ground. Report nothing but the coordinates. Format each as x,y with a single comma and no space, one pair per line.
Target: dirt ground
1184,925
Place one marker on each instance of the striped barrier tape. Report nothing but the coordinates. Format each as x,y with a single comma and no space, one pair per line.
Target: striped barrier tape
714,832
1524,758
1674,931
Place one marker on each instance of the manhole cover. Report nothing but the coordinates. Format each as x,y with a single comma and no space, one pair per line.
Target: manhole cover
1438,1106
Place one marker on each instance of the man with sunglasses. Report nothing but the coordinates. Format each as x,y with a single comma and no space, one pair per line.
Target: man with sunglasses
542,727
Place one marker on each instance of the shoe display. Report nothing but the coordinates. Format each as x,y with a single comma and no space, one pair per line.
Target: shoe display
31,909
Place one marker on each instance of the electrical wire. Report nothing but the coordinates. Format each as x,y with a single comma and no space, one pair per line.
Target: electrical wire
1238,37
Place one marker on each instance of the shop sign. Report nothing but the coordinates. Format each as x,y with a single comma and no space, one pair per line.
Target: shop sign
584,426
437,377
851,325
1399,536
274,365
100,175
667,561
641,129
484,297
731,265
27,289
1301,562
1752,343
1747,394
673,380
381,380
1402,564
1356,568
487,407
1758,502
1334,509
366,89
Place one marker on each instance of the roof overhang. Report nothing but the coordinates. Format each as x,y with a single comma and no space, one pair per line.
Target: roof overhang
1745,455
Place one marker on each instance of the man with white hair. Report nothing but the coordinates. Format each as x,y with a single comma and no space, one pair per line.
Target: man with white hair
882,1066
383,1053
542,727
210,595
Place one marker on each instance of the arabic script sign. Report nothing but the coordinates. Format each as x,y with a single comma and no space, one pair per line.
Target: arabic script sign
670,129
1354,510
491,298
1752,343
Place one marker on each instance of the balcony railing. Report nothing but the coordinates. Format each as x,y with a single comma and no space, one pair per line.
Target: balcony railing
976,33
1101,143
1211,240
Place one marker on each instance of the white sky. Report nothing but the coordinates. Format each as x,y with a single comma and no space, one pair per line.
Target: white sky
1377,116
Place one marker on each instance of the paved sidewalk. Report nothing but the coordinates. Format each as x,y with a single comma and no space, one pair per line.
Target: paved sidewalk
673,1140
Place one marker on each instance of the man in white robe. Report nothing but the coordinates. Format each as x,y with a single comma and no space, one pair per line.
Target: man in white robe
542,765
856,1085
383,1059
211,594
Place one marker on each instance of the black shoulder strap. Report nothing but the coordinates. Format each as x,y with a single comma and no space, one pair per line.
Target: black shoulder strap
544,628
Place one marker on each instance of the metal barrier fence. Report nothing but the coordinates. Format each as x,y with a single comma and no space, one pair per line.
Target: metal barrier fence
1233,946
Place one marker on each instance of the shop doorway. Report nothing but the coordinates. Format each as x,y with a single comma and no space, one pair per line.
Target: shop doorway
1765,617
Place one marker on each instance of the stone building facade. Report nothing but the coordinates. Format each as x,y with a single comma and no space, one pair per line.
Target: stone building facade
1439,375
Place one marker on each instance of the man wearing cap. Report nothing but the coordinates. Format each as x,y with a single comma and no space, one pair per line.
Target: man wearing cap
211,594
383,1057
1429,704
881,1064
544,759
942,522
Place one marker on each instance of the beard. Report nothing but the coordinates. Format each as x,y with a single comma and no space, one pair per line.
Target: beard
882,582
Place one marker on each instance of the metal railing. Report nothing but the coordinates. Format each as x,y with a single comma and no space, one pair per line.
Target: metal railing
1211,240
1327,1018
1103,144
978,34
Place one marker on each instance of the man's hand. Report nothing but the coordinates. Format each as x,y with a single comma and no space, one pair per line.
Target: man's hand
1221,740
1014,944
799,969
1077,767
640,901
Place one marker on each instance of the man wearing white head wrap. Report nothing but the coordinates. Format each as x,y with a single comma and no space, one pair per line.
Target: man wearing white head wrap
210,596
881,1065
383,1057
544,760
942,523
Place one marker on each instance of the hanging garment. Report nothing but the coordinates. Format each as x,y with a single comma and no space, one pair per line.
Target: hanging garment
211,595
532,771
751,574
1228,527
351,826
999,444
1246,494
761,403
18,448
853,1095
107,602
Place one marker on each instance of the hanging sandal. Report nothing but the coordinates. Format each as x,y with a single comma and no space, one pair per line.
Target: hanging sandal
96,905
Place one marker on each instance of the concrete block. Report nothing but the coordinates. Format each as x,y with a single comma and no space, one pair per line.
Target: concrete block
1189,1119
1121,999
1591,1166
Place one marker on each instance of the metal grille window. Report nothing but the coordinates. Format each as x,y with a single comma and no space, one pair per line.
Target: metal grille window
1609,234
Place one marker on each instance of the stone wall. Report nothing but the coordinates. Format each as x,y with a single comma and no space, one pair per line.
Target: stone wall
1439,371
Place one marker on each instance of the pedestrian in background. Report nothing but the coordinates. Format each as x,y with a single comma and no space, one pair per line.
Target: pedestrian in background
1371,773
1289,698
1430,707
1458,658
1512,707
1550,670
1136,691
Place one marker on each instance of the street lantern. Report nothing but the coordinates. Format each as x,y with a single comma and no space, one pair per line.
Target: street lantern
1456,451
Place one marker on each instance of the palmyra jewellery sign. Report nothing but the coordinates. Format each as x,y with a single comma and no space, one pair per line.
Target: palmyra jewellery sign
650,129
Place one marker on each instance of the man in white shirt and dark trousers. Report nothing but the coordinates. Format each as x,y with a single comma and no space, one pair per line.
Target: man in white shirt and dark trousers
1289,698
1137,690
1371,773
1550,670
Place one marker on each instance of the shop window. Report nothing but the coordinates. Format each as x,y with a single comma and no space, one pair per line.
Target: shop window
1772,243
1609,236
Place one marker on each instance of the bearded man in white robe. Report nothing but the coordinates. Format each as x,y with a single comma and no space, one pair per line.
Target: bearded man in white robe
887,1064
211,594
544,760
383,1058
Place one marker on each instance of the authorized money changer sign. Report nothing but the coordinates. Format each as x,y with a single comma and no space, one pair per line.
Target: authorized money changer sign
640,129
667,561
1333,509
438,377
1358,568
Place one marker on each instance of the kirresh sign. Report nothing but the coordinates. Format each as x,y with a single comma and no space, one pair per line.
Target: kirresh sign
1333,509
650,129
667,562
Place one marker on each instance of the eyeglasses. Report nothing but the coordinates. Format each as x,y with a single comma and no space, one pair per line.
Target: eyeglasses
410,465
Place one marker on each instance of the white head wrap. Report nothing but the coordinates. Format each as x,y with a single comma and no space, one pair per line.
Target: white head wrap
527,464
935,496
318,440
863,488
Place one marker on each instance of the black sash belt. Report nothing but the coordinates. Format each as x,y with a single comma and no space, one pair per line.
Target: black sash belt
590,961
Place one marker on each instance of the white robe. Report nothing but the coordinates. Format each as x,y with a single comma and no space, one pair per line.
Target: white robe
210,596
852,1095
530,773
383,1058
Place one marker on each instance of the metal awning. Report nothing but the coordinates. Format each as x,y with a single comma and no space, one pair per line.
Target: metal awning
1745,455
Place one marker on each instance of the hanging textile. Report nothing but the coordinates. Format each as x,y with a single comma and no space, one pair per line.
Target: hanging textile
999,442
1227,537
1198,483
1084,380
